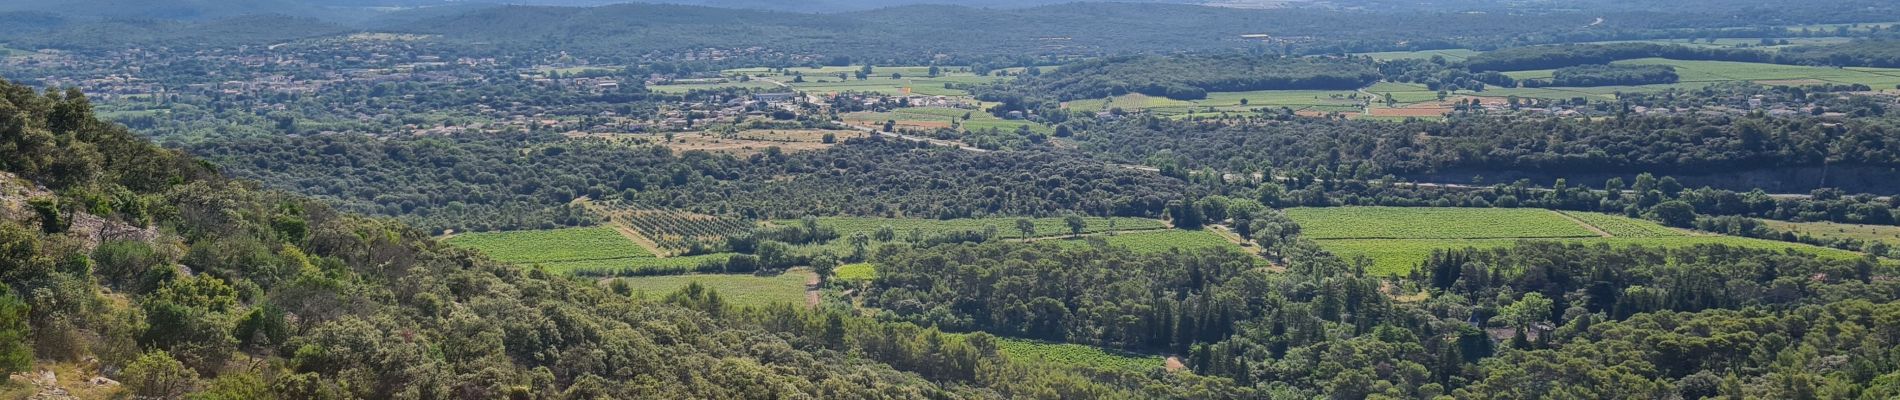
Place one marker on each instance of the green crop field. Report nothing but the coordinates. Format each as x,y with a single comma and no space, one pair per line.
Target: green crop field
1433,223
1398,239
635,265
1448,54
1323,100
855,272
1399,256
825,80
1165,240
1624,227
1005,227
942,117
742,290
1835,230
1079,355
571,244
1697,74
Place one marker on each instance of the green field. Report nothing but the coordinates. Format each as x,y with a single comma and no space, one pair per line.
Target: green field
556,245
825,80
741,290
1005,227
1433,223
1314,100
1835,230
1165,240
1697,74
1398,256
1398,239
635,265
1624,227
1448,54
859,272
941,117
1079,355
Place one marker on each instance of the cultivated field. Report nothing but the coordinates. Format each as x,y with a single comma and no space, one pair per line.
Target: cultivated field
556,245
1080,355
1005,227
1434,223
940,118
1835,230
749,142
1216,102
1398,239
1697,74
742,290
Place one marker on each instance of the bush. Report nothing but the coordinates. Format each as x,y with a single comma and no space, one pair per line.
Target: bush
157,375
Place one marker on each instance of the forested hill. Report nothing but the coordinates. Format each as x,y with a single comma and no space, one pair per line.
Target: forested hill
164,276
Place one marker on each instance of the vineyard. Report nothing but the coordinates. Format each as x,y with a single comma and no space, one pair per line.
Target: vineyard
742,290
1080,355
552,246
641,266
678,231
1622,227
1005,227
1166,240
1378,234
859,272
1434,223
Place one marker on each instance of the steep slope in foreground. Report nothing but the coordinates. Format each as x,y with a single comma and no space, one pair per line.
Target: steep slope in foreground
126,261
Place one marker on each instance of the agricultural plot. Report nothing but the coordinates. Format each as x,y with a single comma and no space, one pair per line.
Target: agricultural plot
912,80
557,245
741,290
1697,74
1400,256
749,142
1834,230
1433,223
639,266
1005,227
675,230
1298,100
859,272
1624,227
1448,54
1079,355
1167,240
941,118
1396,240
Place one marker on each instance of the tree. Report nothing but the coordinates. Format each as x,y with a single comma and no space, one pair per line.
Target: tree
1530,309
934,71
1027,227
16,352
157,375
1674,213
1076,224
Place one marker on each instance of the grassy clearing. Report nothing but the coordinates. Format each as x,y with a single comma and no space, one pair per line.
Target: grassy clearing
1079,355
1834,230
742,290
556,245
1433,223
